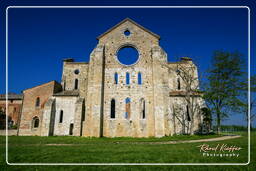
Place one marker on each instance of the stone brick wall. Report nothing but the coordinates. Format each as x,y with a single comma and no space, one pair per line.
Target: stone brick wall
68,106
73,71
93,103
11,132
178,119
30,110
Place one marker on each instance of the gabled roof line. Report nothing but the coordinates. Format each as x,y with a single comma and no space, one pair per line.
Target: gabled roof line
41,85
128,19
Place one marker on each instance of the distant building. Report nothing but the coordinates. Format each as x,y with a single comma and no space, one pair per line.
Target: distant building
143,97
14,109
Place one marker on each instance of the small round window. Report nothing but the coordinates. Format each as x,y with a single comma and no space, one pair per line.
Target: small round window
127,33
127,55
76,71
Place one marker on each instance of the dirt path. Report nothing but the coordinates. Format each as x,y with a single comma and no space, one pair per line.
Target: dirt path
227,137
199,140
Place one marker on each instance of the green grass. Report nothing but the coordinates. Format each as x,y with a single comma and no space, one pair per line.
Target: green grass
107,150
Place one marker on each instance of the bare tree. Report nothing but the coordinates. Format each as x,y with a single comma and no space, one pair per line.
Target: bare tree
188,83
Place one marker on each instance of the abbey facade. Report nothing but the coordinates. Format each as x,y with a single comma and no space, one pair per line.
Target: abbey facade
106,97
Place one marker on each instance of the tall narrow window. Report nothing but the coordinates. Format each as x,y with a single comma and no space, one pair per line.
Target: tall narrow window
116,78
188,115
35,122
178,81
83,115
37,102
113,109
127,108
139,78
61,116
143,108
71,129
127,78
76,84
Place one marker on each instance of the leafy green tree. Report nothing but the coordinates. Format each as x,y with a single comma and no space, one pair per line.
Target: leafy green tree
207,118
223,83
242,99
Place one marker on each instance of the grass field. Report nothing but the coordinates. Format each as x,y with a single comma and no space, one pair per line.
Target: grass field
120,150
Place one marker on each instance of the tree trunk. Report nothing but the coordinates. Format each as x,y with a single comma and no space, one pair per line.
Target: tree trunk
191,127
218,122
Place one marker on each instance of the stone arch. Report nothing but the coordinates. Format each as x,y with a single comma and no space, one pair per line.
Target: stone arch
35,122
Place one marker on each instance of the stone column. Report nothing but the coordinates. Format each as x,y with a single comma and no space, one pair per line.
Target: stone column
78,117
91,126
160,84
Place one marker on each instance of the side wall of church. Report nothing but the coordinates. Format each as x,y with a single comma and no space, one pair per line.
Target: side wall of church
178,118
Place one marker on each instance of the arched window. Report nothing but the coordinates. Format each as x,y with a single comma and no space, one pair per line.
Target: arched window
188,115
142,108
178,82
61,116
139,78
113,109
127,78
35,122
76,84
116,78
37,102
127,108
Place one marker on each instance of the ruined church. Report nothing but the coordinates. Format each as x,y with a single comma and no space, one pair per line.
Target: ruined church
142,96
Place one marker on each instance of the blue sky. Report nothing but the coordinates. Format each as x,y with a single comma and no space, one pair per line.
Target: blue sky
40,38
